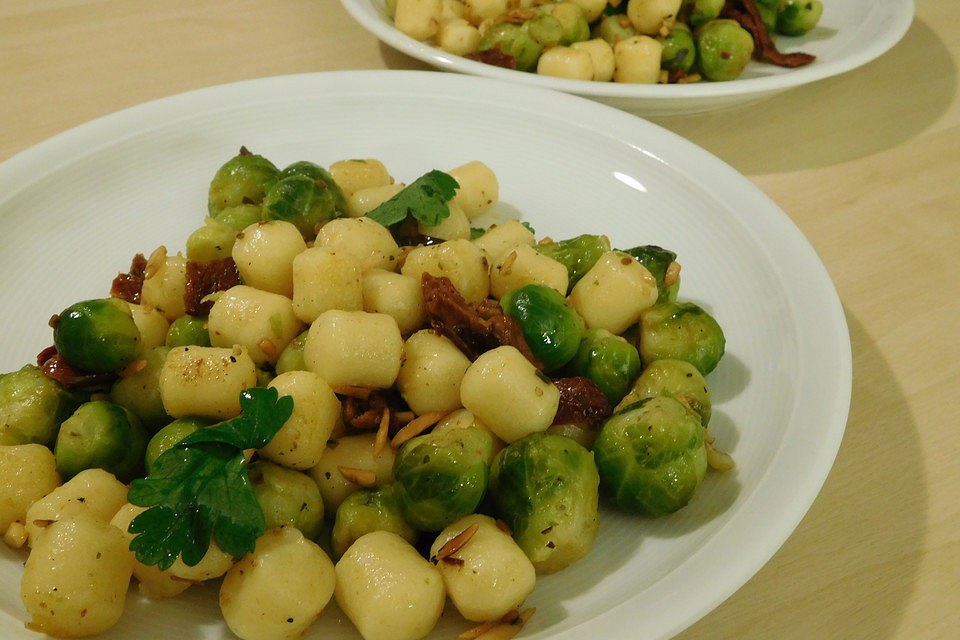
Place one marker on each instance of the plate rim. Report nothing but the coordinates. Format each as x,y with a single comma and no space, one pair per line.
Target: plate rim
901,17
20,171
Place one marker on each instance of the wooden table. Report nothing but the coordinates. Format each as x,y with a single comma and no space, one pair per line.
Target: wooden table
867,164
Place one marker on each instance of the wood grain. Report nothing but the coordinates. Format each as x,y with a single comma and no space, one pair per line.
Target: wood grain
868,166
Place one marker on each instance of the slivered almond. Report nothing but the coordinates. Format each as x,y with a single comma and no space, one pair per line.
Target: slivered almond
354,392
507,630
457,542
476,632
156,260
403,417
672,273
269,349
547,240
507,265
16,535
132,368
383,433
417,426
503,526
360,477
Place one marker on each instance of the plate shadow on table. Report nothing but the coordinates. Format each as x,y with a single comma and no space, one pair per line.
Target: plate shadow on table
869,517
853,115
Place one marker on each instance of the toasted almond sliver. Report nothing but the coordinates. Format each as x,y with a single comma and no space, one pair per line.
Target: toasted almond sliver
132,368
457,542
672,273
503,526
507,630
507,266
156,260
361,477
719,460
269,349
417,426
354,392
478,631
383,433
16,535
403,417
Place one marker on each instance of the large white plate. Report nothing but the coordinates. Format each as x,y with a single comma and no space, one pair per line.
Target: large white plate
75,208
850,34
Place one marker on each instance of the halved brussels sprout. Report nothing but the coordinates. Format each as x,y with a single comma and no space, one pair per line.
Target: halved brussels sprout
609,360
32,407
545,487
240,217
723,49
797,17
140,392
550,326
369,510
244,179
101,435
97,335
287,497
681,331
169,436
672,378
657,260
698,12
679,53
444,476
188,331
652,456
578,254
304,202
320,175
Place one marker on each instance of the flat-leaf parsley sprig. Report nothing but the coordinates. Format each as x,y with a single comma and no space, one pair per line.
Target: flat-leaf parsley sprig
200,487
425,199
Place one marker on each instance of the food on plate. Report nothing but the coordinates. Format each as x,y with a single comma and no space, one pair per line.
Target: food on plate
441,393
632,41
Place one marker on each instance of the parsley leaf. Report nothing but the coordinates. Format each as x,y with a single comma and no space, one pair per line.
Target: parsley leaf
425,199
476,232
528,227
200,488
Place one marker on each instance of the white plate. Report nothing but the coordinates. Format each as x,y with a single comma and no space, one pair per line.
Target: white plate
75,208
850,34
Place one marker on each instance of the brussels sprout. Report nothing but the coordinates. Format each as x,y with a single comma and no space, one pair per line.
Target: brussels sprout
657,260
244,179
672,378
614,28
578,254
188,331
522,41
683,331
97,335
101,435
287,497
444,476
652,456
301,201
609,360
320,175
550,326
32,407
545,487
679,52
768,10
700,12
723,49
573,24
291,358
264,376
796,17
170,435
369,510
240,217
139,392
213,241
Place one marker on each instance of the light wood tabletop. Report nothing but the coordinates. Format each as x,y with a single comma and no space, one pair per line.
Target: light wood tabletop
867,164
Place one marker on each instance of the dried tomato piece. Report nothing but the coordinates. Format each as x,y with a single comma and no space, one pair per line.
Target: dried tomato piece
204,278
128,286
581,401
